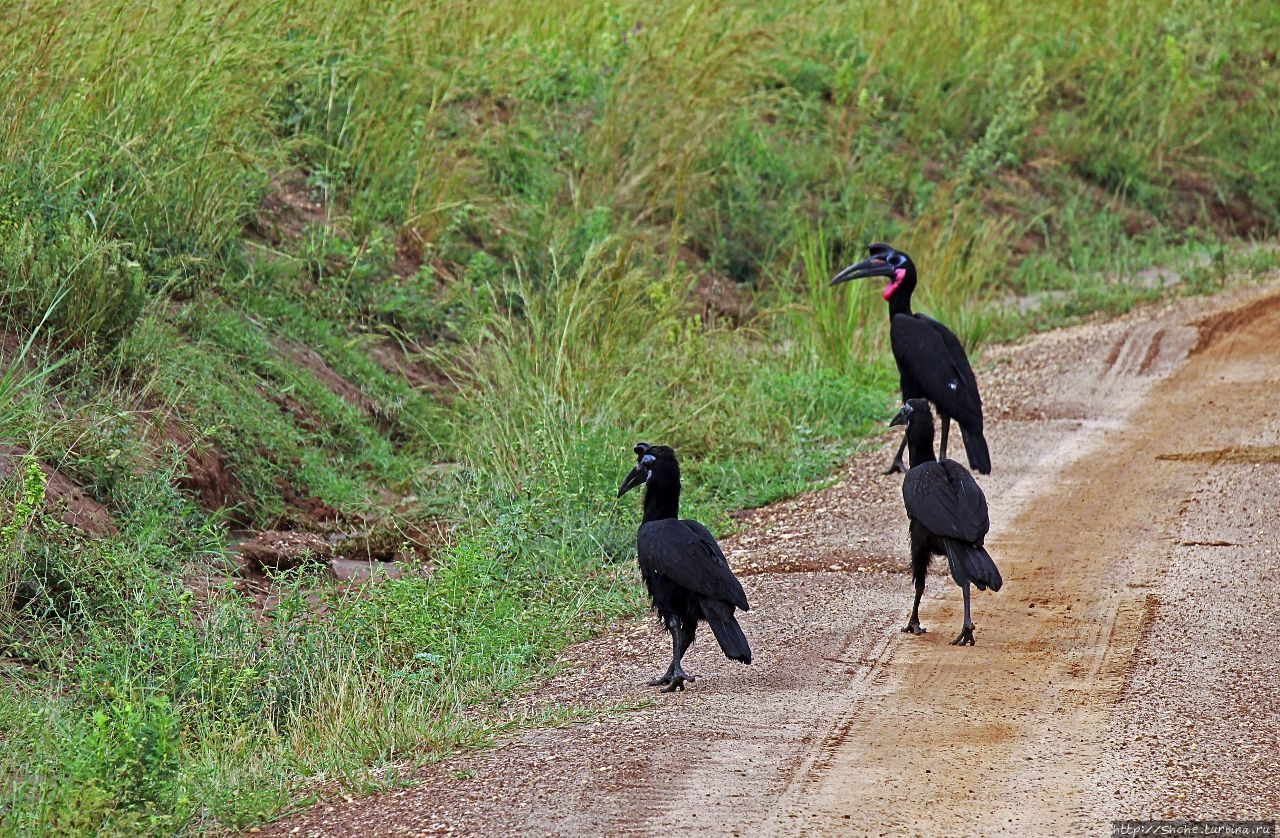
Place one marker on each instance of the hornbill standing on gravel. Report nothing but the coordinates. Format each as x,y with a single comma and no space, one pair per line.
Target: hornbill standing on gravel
683,567
948,515
931,362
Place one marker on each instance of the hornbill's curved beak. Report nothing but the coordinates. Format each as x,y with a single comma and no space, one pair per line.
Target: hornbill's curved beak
637,477
903,416
875,266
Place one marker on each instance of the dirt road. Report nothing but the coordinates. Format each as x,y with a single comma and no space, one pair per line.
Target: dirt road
1127,669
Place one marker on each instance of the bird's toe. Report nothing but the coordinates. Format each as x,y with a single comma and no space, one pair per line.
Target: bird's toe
659,681
914,628
965,638
678,682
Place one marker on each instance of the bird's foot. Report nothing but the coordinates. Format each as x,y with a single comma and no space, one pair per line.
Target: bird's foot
914,627
896,466
964,638
678,680
660,680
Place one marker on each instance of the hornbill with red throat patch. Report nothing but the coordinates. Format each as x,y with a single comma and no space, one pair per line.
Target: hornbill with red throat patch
683,567
931,362
948,515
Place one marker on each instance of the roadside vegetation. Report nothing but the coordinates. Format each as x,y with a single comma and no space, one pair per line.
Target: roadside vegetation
375,271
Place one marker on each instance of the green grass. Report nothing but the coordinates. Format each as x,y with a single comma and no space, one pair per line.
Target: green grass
526,207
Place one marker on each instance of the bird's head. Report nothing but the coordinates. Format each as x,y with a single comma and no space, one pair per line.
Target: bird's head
913,412
884,260
651,461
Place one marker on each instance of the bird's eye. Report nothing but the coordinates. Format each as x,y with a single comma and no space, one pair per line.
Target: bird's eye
897,260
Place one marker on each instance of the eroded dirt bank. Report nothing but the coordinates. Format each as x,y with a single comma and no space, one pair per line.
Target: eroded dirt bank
1127,669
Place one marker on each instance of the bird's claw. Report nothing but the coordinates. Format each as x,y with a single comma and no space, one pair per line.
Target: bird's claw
914,628
965,638
678,682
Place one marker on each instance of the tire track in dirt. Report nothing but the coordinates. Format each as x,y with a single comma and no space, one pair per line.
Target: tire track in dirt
844,726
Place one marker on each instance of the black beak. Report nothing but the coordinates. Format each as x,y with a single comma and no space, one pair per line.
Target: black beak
874,266
903,416
637,477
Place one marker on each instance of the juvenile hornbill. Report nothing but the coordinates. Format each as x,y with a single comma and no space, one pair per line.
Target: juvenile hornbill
948,515
931,362
683,567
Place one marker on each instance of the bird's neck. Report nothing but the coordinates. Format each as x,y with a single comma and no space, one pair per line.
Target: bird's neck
920,445
661,502
900,303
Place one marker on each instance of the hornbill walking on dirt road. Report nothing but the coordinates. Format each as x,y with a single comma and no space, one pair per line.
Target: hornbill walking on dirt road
931,362
683,567
948,515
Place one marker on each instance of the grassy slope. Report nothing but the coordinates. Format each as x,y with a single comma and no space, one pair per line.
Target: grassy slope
533,205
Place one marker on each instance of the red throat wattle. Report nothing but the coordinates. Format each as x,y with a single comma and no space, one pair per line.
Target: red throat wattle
898,276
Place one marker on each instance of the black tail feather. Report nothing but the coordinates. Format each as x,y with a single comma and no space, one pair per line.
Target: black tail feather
971,563
975,445
732,641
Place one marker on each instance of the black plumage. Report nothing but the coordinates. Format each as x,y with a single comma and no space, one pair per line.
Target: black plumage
683,567
948,514
931,362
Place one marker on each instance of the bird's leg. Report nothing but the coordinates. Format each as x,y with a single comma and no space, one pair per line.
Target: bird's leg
897,464
913,625
673,627
946,426
683,638
965,638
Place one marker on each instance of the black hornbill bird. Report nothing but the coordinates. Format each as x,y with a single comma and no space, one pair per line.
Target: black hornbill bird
948,515
683,567
931,362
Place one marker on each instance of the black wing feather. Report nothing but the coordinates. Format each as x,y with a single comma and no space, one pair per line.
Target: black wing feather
946,499
958,356
687,553
933,364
